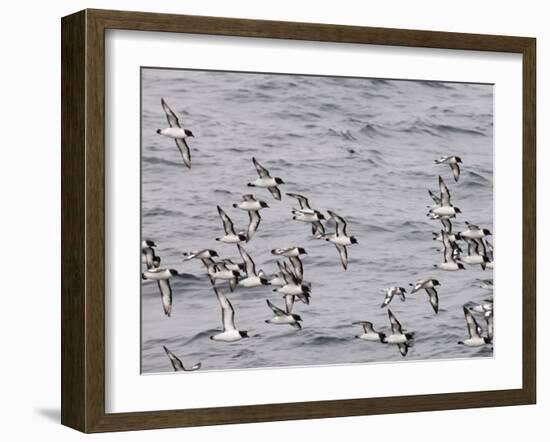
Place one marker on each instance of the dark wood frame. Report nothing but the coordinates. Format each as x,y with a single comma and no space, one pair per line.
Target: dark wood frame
83,220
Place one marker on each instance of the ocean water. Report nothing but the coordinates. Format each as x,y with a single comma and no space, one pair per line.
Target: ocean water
364,148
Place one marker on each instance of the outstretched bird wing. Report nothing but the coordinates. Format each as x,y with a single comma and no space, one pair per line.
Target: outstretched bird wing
340,223
262,171
436,199
227,223
474,330
447,226
367,326
166,295
228,313
177,365
254,222
298,267
445,196
289,303
276,310
275,192
395,324
250,266
317,227
170,115
184,150
434,299
343,252
302,200
456,170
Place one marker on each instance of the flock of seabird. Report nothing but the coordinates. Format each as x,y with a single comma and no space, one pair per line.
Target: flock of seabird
288,279
480,252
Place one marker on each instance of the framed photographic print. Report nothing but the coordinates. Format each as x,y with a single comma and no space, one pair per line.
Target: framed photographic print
269,220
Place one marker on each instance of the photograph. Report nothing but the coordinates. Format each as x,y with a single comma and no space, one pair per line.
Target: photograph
293,220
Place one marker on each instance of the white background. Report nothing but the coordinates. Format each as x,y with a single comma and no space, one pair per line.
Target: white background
129,391
30,170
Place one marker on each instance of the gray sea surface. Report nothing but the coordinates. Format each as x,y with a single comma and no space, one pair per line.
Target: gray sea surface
363,148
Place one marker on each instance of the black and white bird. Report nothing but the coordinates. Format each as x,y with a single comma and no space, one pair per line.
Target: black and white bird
445,208
293,254
390,292
485,307
200,254
474,330
289,252
398,336
254,219
308,215
177,365
313,218
250,204
340,238
436,199
303,202
253,206
453,162
369,333
293,286
450,263
230,236
220,270
252,278
276,279
229,264
266,181
429,286
162,276
230,333
148,256
176,132
474,232
448,228
147,243
297,266
283,316
476,253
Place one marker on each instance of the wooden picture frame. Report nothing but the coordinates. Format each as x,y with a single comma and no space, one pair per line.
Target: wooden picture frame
83,220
